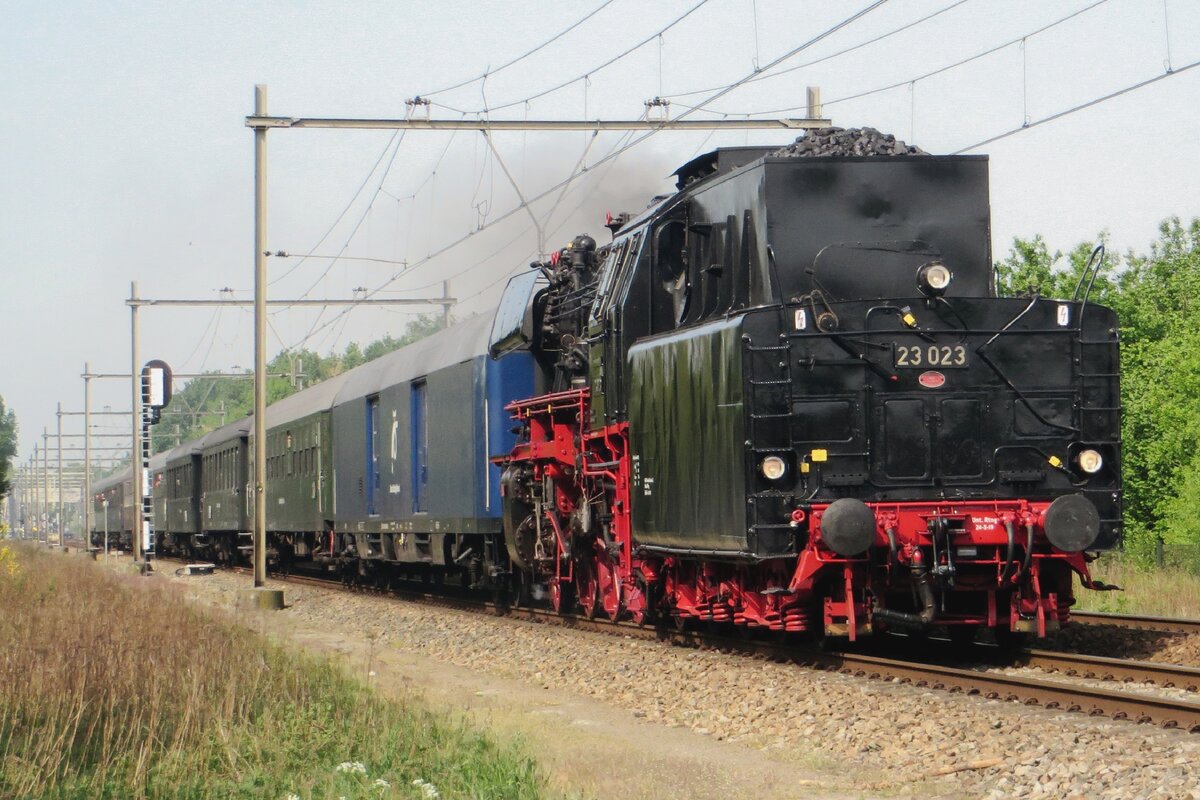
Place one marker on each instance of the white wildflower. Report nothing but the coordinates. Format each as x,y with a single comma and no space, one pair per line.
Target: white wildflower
291,796
381,783
352,767
428,790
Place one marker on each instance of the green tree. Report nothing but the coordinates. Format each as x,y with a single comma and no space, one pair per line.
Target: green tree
1030,268
8,446
1156,298
1160,355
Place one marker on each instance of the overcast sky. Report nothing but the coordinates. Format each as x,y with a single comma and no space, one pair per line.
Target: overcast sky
125,156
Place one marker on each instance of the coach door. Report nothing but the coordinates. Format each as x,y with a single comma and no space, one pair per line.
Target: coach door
420,449
372,454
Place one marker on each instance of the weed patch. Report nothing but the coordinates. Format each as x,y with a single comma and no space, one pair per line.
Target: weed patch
112,687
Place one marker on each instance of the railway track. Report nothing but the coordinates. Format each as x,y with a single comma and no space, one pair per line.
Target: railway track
1168,676
969,680
1145,623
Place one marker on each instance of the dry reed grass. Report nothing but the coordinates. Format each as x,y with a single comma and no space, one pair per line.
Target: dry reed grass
110,686
1162,592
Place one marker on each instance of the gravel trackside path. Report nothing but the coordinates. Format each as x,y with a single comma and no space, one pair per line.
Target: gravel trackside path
616,717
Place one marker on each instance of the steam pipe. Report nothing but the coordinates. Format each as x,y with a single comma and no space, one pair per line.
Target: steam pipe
1009,528
1028,548
920,576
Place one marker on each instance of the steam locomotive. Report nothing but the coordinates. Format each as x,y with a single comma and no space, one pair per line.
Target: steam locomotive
785,397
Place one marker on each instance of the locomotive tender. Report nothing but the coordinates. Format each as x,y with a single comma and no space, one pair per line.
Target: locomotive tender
785,397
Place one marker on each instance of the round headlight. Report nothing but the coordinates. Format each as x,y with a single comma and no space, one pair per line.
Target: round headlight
773,468
1090,461
933,278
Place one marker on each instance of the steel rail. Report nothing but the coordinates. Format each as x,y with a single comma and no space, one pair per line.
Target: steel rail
1169,676
1054,695
1145,623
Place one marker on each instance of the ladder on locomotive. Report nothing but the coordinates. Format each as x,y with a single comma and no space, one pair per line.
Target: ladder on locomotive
1098,412
770,400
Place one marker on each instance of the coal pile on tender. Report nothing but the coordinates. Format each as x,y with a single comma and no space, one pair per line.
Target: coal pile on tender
848,142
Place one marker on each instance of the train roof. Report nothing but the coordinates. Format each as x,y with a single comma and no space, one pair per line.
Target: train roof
450,346
108,482
445,348
157,462
185,450
318,397
234,430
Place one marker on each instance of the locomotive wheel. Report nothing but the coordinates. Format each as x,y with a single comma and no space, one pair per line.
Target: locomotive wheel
641,606
520,590
587,587
683,624
608,588
562,596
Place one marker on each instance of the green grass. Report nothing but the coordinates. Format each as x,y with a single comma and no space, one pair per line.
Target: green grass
112,687
1162,592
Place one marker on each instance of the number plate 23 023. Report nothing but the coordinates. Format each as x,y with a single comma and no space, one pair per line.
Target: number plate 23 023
924,355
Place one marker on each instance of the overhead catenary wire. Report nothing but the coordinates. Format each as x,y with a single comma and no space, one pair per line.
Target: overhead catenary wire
1080,107
600,175
366,179
873,40
1167,37
520,207
584,76
605,165
521,261
203,334
493,71
212,341
939,70
379,190
353,231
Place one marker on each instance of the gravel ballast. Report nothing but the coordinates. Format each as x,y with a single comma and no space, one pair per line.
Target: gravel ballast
904,734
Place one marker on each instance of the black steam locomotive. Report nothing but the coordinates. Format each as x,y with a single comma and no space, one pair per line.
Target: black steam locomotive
785,397
788,397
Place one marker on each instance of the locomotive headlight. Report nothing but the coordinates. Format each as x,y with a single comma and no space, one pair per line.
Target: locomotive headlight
933,279
1090,461
773,468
